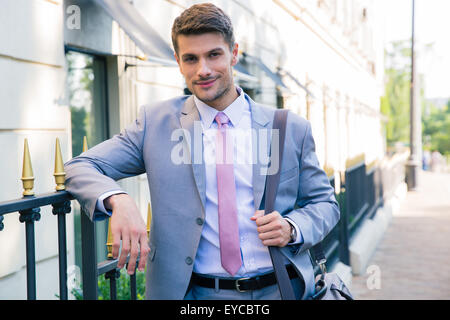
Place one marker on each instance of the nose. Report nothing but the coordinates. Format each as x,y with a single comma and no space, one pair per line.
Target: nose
204,71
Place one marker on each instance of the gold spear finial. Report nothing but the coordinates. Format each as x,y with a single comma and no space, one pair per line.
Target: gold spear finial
142,57
60,175
109,241
27,172
85,145
149,219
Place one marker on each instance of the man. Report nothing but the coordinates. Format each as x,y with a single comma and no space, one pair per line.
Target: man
209,234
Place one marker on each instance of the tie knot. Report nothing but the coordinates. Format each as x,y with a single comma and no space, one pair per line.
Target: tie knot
221,119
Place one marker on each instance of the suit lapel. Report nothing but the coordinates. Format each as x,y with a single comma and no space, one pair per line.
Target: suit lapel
261,123
189,116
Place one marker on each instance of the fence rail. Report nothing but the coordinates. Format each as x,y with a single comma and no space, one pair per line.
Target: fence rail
29,212
29,208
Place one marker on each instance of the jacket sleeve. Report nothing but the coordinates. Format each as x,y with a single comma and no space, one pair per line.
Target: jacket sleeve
96,171
317,211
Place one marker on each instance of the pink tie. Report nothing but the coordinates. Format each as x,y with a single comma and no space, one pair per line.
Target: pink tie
230,253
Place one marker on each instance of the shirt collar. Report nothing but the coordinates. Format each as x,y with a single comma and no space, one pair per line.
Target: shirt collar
234,111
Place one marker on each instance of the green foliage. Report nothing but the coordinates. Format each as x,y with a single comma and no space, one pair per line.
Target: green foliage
79,116
80,77
122,285
436,128
395,104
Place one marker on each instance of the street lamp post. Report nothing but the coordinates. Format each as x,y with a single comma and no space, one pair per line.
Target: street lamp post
414,162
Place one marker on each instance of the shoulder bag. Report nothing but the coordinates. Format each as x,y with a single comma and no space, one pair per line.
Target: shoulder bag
328,286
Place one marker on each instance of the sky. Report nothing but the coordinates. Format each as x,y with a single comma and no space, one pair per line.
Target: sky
432,25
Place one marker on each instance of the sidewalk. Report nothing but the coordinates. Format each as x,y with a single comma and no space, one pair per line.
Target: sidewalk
414,255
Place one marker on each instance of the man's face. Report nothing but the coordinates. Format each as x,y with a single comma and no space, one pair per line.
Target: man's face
206,62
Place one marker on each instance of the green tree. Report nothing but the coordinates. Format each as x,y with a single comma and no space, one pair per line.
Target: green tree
436,128
395,104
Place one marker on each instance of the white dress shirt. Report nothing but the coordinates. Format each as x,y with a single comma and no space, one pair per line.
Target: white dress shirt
255,256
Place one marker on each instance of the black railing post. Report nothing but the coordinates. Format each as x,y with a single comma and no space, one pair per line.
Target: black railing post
60,209
112,276
344,250
133,286
89,258
29,216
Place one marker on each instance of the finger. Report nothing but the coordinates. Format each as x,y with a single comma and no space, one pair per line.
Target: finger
116,243
271,235
275,239
145,250
258,213
271,226
275,242
267,218
134,251
125,250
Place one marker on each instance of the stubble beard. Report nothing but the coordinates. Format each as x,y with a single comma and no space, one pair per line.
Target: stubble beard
221,91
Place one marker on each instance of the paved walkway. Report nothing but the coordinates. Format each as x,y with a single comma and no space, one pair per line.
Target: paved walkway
413,258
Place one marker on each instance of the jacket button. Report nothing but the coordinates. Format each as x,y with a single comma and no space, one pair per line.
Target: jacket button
199,221
189,260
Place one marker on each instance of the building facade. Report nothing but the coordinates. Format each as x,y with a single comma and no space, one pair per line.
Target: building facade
73,68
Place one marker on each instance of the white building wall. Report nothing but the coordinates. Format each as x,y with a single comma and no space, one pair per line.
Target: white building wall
33,106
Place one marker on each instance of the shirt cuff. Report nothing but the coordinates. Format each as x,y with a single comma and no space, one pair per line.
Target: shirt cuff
100,210
299,238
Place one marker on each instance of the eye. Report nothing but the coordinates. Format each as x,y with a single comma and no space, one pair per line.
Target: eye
214,54
189,59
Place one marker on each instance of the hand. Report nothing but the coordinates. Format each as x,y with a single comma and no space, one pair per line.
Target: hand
127,225
273,229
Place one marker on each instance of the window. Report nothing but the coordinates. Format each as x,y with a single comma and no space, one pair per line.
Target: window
87,94
87,87
280,99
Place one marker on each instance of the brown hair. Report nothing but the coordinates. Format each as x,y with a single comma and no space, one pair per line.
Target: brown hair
202,18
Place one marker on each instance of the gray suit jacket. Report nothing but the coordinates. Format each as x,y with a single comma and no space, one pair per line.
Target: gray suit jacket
178,190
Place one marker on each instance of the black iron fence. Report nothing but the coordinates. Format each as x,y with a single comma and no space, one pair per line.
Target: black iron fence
29,208
360,191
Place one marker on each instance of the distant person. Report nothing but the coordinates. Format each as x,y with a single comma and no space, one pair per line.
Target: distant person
426,158
436,161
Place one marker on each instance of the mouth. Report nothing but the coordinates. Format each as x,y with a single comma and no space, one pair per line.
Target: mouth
205,84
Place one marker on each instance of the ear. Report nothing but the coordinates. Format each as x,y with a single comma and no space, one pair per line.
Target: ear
235,53
178,61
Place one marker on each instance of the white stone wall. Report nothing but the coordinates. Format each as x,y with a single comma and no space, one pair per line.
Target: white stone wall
32,106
